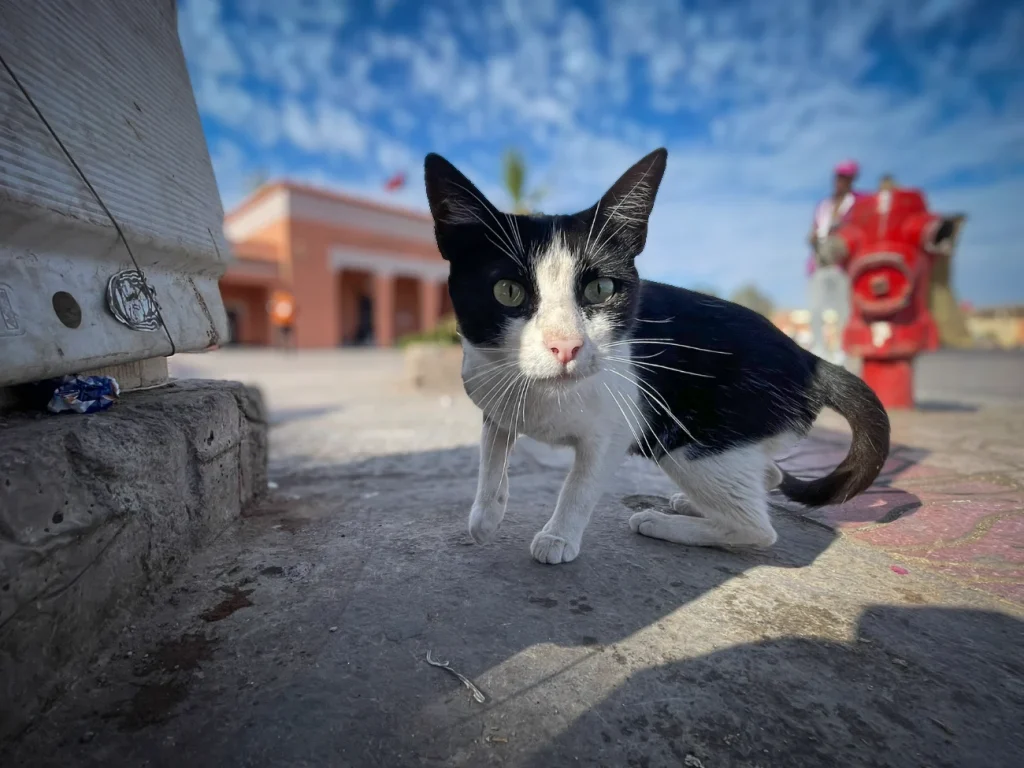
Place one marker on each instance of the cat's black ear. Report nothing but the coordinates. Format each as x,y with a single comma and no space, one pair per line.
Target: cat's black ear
620,217
453,198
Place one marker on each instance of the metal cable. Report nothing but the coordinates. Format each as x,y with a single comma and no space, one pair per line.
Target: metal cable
95,194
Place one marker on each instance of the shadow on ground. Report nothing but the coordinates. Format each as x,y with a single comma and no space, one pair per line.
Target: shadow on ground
884,502
917,687
281,416
299,639
943,406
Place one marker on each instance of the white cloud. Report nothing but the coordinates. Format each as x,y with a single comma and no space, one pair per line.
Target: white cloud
323,128
230,168
288,62
325,14
394,155
384,7
203,35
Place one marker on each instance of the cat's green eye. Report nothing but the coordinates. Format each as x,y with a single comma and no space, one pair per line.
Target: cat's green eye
509,293
599,291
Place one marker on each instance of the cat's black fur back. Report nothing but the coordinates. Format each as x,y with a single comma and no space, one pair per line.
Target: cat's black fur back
765,385
760,385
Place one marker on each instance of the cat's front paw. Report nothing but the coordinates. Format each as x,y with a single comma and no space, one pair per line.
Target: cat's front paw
645,521
551,549
484,520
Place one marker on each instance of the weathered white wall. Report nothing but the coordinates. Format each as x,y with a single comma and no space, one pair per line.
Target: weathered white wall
110,79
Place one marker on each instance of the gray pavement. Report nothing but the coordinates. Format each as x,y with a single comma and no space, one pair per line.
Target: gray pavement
974,377
299,637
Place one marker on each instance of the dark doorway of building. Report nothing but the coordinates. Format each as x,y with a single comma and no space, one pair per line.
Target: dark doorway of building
364,327
232,325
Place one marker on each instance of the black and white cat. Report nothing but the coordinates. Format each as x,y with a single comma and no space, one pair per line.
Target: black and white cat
565,343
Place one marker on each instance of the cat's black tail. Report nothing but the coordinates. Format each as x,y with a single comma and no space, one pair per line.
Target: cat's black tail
854,401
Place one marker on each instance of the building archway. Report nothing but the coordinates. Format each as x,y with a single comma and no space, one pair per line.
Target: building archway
246,305
408,315
355,307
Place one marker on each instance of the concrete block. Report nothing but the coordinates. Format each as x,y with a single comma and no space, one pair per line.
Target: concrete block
139,374
96,509
434,367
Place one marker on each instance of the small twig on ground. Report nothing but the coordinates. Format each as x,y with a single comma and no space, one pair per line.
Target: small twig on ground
478,695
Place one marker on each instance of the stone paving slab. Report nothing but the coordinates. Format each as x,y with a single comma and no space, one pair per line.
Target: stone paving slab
952,502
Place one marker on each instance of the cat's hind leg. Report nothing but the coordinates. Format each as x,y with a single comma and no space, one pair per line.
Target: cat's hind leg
681,504
779,445
725,501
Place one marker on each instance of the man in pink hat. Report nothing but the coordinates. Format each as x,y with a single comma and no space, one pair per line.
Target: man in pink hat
828,284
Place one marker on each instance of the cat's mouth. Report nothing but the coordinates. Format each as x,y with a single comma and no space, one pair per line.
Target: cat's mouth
569,375
539,366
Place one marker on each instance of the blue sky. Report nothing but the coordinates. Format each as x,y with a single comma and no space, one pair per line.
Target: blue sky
755,100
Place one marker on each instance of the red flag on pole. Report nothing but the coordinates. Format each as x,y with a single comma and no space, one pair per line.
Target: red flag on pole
396,182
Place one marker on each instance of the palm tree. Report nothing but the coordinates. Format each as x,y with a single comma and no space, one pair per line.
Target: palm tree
514,173
751,297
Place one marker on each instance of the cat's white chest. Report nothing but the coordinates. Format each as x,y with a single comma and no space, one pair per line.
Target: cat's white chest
563,415
560,417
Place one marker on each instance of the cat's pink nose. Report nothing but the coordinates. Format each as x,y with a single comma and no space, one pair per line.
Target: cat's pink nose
565,350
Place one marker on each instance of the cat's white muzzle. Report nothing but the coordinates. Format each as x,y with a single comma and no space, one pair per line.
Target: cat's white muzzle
541,363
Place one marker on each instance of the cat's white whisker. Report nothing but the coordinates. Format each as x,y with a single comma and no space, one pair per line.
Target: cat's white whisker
511,393
513,225
626,221
491,369
503,360
663,342
644,426
649,429
505,246
656,400
488,387
636,437
644,388
506,251
636,362
612,213
488,384
510,438
597,209
507,237
495,394
513,433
